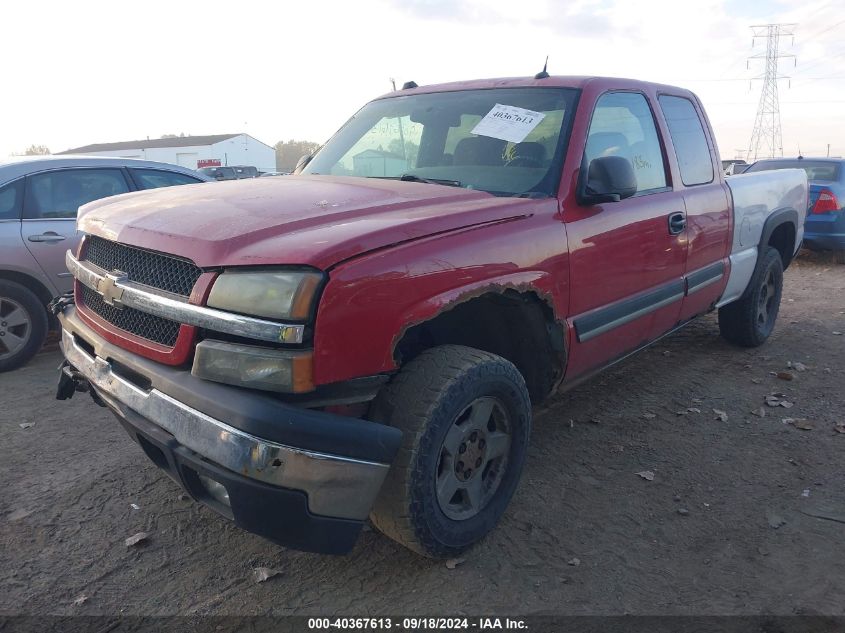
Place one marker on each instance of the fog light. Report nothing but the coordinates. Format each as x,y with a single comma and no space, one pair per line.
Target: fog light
288,371
216,490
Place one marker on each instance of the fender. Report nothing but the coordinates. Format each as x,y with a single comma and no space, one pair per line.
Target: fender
776,219
744,262
370,302
534,281
762,202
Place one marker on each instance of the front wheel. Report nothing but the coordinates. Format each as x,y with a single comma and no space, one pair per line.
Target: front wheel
466,418
750,320
23,325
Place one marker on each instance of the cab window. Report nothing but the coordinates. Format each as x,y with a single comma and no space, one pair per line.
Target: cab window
623,125
688,138
389,148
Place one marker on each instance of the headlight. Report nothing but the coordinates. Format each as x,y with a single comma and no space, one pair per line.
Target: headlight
286,371
284,294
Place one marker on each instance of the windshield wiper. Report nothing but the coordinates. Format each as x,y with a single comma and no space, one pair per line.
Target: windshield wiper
534,195
431,181
415,178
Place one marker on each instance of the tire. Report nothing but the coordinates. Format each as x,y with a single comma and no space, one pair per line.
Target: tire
453,403
750,320
23,325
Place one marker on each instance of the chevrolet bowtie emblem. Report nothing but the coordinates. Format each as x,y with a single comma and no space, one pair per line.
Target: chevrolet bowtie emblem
108,287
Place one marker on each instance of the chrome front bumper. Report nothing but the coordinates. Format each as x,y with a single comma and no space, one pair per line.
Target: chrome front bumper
336,486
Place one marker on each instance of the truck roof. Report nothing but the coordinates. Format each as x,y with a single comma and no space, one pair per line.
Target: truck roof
559,81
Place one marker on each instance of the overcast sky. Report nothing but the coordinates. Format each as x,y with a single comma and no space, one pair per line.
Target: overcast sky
87,72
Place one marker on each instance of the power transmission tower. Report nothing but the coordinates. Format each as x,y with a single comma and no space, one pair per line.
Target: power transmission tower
767,131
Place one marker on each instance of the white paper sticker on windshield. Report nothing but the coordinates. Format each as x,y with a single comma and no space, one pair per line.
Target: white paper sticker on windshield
508,123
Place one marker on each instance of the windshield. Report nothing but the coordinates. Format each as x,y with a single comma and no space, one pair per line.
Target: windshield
826,170
507,141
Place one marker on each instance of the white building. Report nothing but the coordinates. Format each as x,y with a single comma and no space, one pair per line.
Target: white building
373,162
191,151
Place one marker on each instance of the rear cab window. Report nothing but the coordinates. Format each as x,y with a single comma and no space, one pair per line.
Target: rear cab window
219,173
689,140
246,172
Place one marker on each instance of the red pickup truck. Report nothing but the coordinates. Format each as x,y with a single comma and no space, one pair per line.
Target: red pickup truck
367,338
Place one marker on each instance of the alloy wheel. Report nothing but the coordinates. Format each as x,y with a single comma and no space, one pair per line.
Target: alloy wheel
766,306
473,459
15,327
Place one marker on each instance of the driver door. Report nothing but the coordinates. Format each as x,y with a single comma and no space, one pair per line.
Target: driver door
626,258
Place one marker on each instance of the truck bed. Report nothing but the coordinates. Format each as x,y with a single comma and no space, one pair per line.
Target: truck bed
756,197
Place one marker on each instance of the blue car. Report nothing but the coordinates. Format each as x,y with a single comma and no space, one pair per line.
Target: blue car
824,228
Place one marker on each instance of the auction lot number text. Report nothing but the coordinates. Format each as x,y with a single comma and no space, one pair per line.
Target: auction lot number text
416,624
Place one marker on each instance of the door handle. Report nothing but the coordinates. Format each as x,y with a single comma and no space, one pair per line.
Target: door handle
49,236
677,223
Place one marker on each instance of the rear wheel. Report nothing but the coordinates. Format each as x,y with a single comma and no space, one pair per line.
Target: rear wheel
23,325
750,320
466,418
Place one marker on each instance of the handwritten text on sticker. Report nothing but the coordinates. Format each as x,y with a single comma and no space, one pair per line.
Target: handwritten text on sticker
508,123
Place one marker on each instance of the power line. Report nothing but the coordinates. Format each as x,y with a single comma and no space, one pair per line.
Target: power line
816,11
830,28
767,128
743,79
828,57
811,102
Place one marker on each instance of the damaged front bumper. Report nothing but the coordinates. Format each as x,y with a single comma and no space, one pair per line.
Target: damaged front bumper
302,478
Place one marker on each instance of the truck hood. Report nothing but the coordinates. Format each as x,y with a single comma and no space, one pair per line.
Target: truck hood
305,220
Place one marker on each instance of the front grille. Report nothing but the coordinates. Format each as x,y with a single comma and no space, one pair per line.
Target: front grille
163,272
144,267
148,326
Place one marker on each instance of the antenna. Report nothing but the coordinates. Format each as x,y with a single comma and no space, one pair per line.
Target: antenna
543,74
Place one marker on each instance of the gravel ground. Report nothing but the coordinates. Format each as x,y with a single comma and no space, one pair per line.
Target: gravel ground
743,516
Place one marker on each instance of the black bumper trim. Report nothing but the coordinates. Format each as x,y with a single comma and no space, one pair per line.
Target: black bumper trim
278,514
254,413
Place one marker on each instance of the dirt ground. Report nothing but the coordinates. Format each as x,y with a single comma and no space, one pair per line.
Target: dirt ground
743,516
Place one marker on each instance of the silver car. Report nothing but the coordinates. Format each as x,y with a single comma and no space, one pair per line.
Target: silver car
39,197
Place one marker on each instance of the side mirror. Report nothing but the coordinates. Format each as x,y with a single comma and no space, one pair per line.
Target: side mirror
609,179
302,162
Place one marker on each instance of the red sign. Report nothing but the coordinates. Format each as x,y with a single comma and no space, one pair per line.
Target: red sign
208,162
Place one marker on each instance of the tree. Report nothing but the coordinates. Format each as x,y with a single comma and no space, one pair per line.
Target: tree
36,150
408,152
180,135
289,152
